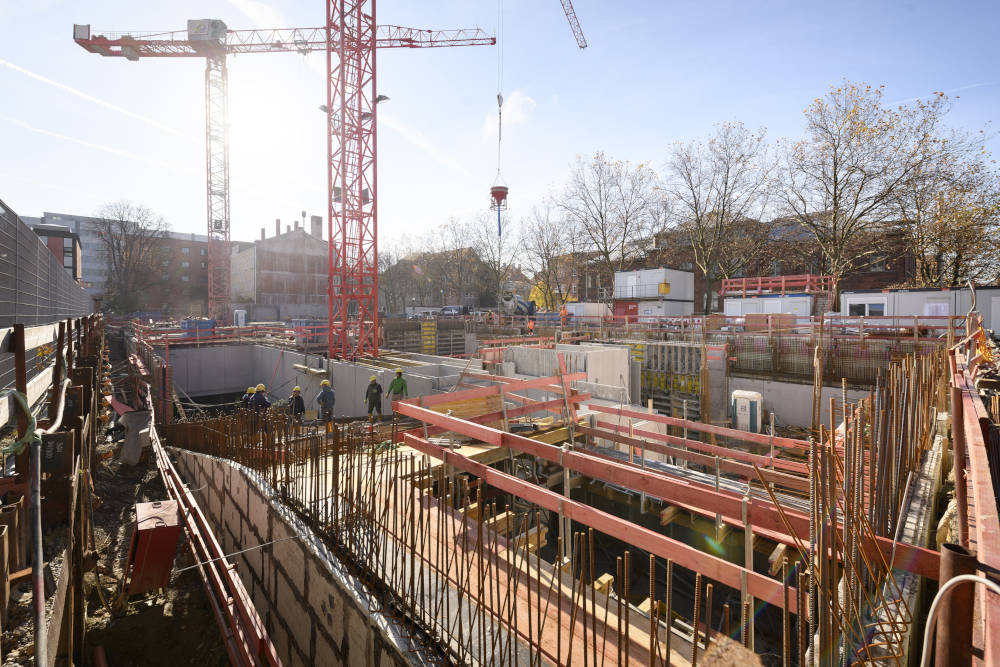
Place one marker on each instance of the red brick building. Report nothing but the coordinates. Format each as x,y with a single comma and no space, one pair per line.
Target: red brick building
64,244
182,285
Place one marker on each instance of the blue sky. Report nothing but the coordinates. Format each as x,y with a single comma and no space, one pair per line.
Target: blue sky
654,73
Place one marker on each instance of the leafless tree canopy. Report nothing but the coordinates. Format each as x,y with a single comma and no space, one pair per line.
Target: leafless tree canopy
951,214
613,206
843,180
547,242
869,184
496,250
723,188
132,238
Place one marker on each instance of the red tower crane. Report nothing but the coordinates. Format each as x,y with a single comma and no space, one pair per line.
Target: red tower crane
349,38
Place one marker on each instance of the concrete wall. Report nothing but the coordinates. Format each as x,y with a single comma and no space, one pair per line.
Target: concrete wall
213,369
223,369
790,402
315,612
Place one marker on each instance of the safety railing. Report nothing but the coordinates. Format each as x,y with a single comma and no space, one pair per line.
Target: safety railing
976,452
805,282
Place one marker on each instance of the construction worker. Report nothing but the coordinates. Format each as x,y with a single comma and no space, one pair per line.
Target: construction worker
531,327
373,397
563,314
247,397
397,388
296,406
259,402
326,399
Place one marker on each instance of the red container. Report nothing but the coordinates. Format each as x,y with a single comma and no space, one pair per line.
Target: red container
154,544
499,195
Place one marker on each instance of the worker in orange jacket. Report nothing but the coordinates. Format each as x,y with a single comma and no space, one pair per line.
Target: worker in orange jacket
563,314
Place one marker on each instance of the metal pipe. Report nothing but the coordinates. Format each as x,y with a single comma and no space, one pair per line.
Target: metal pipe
37,570
958,463
932,613
953,638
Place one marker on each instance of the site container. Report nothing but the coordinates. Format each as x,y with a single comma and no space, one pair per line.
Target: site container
197,327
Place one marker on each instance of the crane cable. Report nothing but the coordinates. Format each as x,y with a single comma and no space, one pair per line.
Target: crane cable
497,180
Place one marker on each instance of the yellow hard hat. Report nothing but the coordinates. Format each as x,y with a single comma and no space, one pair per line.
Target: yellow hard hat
399,370
324,383
260,387
297,389
371,379
250,390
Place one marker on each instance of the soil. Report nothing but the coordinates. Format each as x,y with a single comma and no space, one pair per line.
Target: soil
173,626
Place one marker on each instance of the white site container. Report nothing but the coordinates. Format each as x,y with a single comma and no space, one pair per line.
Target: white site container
663,284
769,305
587,309
747,407
665,308
239,318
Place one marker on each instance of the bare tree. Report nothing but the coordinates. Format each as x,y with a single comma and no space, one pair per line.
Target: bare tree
722,189
614,207
495,249
841,183
951,214
392,280
132,238
546,245
453,261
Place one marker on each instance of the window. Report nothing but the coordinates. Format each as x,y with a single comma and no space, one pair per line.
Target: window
185,278
776,268
165,276
67,243
185,265
186,251
166,262
204,265
204,252
687,266
866,309
878,264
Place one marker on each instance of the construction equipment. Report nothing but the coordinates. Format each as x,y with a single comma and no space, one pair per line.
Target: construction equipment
513,303
574,24
349,38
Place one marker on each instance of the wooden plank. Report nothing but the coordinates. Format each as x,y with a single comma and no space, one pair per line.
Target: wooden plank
776,558
604,583
33,336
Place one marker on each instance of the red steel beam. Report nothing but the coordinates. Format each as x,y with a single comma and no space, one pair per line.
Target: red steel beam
549,384
512,412
714,450
722,431
730,574
703,499
914,559
975,423
741,470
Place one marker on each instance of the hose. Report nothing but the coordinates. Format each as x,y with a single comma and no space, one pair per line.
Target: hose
932,614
